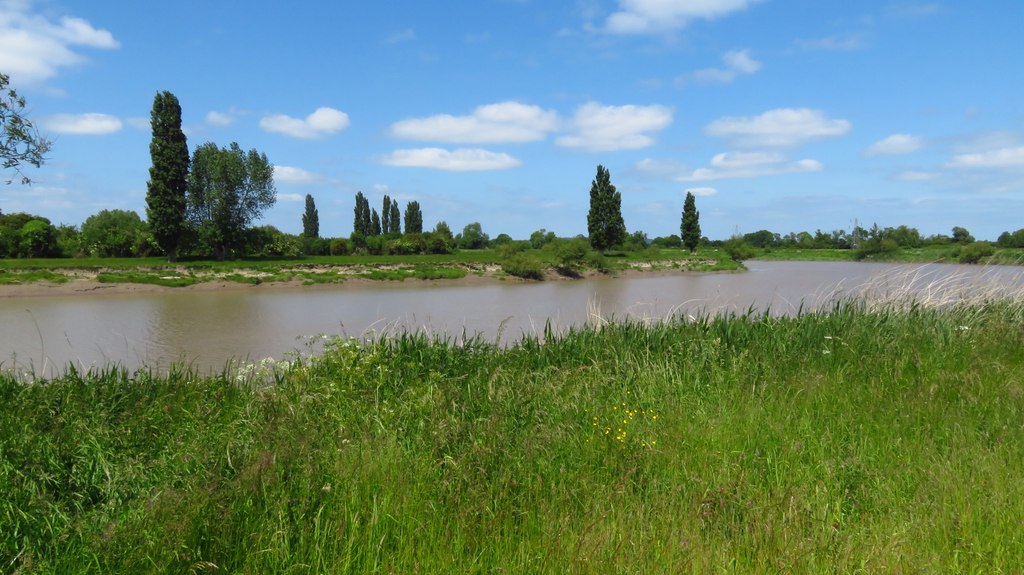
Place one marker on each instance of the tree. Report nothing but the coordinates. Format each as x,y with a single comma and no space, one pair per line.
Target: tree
20,143
962,236
413,218
385,215
473,237
375,226
604,221
227,190
395,219
310,219
690,226
166,202
361,225
114,233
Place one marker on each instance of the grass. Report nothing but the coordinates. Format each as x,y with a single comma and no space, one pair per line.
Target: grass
8,277
876,439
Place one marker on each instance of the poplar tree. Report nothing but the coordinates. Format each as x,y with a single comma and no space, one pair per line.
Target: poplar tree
168,175
385,215
604,221
311,219
413,218
690,226
361,225
395,219
374,223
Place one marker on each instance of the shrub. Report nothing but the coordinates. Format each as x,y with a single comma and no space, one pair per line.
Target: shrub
738,249
523,266
973,252
339,247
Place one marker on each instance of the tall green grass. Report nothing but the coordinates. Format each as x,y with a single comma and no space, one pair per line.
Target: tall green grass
882,440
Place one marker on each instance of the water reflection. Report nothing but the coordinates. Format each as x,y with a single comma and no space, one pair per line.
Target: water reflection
209,329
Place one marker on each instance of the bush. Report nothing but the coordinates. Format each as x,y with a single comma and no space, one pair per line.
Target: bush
973,252
113,233
738,249
523,266
339,247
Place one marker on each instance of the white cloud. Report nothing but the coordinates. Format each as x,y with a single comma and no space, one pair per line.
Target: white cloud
705,191
998,158
895,144
749,165
658,16
460,160
608,128
737,63
139,122
215,118
82,124
290,197
33,48
292,175
323,122
782,127
501,123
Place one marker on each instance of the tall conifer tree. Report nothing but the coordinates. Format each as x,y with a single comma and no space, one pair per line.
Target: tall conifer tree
311,219
690,226
168,175
604,221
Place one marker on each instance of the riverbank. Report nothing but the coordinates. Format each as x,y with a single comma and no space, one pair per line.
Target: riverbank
872,441
86,281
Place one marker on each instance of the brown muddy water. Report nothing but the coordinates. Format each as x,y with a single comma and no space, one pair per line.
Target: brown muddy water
210,329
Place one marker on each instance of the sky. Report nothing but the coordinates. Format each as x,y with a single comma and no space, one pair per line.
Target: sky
786,115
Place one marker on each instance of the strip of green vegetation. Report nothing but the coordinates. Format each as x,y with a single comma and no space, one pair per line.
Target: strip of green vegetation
152,278
855,441
422,272
34,276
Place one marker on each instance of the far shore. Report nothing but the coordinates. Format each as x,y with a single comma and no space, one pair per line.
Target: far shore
88,285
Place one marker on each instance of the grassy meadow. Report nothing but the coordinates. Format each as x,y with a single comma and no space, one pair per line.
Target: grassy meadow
870,439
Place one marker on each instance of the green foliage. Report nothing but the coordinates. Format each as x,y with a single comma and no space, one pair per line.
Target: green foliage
166,191
115,233
310,219
604,220
962,236
523,266
362,224
1014,240
671,241
27,236
339,247
974,252
268,241
20,142
375,224
738,249
227,190
541,238
690,225
473,237
413,218
395,219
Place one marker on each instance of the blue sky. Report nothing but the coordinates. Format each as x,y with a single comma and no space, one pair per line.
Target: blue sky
785,115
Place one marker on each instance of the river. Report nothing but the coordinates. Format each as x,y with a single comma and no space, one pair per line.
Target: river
209,329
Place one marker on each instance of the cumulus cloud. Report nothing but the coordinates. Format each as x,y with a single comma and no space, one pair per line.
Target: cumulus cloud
659,16
323,122
293,175
600,128
749,165
501,123
221,119
33,48
1001,158
895,144
737,63
290,197
82,124
783,127
459,160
